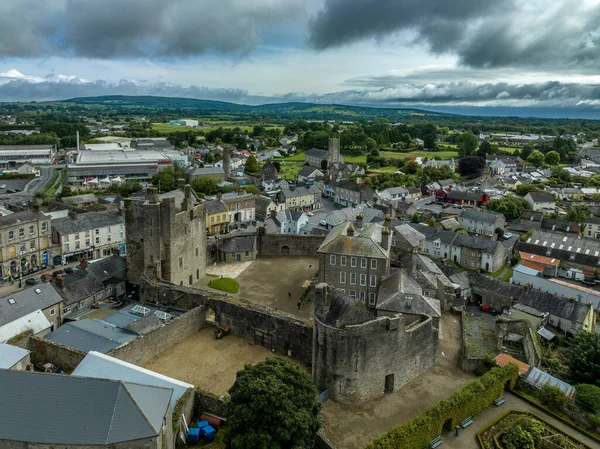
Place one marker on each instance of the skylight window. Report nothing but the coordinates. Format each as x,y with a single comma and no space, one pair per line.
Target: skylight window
11,301
38,291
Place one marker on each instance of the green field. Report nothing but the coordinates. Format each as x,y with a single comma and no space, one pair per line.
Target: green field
298,157
165,128
225,284
290,172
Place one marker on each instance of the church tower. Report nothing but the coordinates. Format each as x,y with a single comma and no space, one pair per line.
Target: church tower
333,149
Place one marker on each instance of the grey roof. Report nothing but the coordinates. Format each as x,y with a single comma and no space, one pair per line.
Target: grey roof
144,324
542,197
80,199
566,247
298,191
410,235
563,308
27,301
98,365
315,152
238,244
479,215
307,170
206,171
11,355
79,286
366,241
88,221
349,185
58,409
394,291
461,279
215,207
457,239
91,335
345,310
110,268
465,196
19,217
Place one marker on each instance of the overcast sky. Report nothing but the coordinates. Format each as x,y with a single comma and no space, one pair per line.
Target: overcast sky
535,53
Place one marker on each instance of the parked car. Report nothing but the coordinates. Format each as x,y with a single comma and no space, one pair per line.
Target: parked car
46,277
323,223
33,281
2,186
58,273
11,191
69,270
310,214
507,235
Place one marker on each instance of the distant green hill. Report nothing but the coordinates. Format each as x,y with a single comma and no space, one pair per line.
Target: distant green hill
201,107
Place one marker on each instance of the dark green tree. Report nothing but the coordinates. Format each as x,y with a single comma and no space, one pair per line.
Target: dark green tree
467,144
471,166
552,158
273,406
536,158
524,189
277,166
578,213
429,142
512,207
583,357
485,148
205,185
252,165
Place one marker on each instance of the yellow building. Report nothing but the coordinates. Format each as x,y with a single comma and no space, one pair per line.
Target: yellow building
216,217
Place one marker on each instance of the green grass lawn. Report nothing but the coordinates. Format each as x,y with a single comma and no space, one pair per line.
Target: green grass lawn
298,157
225,284
290,172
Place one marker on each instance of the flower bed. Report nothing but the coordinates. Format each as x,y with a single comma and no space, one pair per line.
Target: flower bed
525,430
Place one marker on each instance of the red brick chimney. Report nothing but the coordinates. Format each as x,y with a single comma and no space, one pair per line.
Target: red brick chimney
60,282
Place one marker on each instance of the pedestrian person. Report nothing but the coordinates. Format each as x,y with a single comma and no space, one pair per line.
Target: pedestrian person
299,304
290,295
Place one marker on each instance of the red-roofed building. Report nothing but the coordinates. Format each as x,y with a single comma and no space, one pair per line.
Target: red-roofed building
549,265
504,359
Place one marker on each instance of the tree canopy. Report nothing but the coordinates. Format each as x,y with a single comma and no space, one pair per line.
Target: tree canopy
511,206
166,179
578,213
273,406
552,158
252,165
583,358
467,143
205,185
536,158
471,166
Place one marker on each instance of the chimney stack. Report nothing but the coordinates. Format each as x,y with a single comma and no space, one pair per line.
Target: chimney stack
60,282
359,221
83,263
77,138
350,231
180,183
385,238
408,301
152,194
388,221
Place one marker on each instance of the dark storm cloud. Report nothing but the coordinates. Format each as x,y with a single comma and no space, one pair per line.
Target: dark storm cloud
482,33
554,94
146,28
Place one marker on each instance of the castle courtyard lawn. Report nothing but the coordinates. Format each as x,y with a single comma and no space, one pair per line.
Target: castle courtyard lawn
268,280
225,284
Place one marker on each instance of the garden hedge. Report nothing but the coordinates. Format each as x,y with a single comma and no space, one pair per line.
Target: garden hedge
468,401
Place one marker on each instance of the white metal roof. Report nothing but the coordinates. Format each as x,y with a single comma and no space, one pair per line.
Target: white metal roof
35,321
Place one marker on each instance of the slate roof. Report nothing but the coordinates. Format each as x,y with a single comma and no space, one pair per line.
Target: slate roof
57,409
349,185
98,365
90,335
110,268
479,215
19,217
366,241
461,279
566,247
87,221
298,191
393,291
144,324
215,207
79,286
27,301
410,235
206,171
542,197
465,196
315,152
345,310
80,199
307,170
238,244
11,355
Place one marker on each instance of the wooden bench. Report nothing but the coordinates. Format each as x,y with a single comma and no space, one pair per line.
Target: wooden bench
467,422
435,443
499,401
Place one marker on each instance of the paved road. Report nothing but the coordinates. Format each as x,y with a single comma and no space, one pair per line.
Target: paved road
35,185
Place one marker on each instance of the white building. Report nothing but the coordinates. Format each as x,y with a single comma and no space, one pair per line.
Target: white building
11,156
92,235
184,122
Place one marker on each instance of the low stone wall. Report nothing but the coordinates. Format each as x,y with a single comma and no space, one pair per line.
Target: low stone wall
288,244
65,357
274,329
531,347
144,348
212,404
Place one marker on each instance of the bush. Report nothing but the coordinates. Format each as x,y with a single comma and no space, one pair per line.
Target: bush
588,395
468,401
553,397
525,433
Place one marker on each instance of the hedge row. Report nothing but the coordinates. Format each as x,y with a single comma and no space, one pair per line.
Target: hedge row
468,401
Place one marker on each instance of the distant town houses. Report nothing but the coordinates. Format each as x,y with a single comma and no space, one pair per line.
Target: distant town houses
347,193
298,198
481,222
290,222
